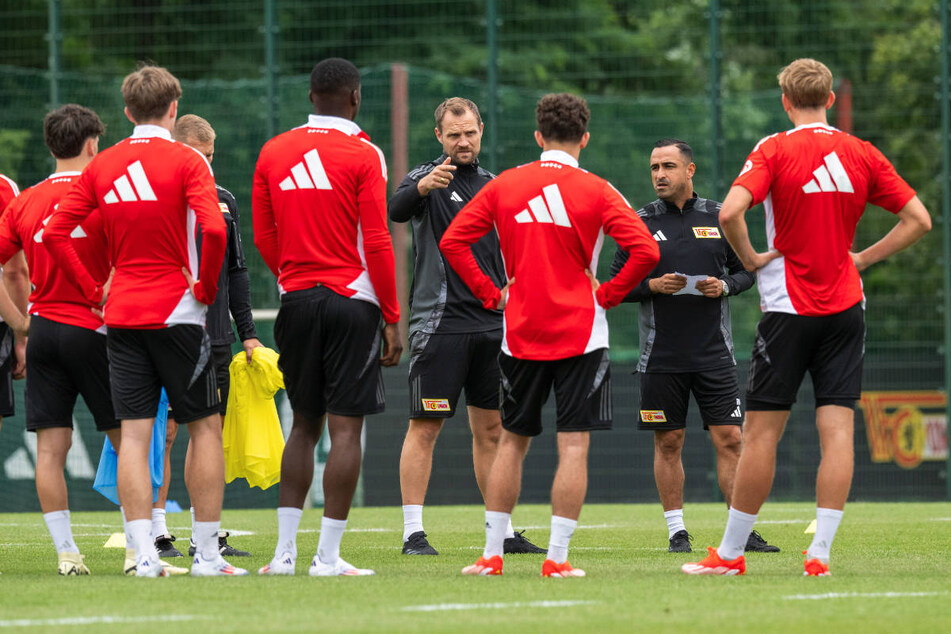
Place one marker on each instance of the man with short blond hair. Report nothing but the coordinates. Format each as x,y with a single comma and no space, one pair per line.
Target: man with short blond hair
234,296
150,192
814,182
454,339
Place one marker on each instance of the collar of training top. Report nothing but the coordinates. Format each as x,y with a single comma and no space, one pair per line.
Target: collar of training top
148,130
334,123
559,157
688,204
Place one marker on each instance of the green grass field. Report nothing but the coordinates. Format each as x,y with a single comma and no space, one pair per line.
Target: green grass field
890,567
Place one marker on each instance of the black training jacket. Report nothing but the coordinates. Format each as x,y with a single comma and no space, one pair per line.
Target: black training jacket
686,333
234,286
439,299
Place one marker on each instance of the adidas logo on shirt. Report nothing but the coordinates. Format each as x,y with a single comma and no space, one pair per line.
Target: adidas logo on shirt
659,236
456,197
76,233
829,177
308,174
553,211
122,186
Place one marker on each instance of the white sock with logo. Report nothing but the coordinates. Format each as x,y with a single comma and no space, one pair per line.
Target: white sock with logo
675,522
159,527
827,523
412,519
141,533
495,524
739,525
206,539
562,529
288,519
328,546
61,531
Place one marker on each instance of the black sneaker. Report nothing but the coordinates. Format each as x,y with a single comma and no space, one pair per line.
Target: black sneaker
417,544
224,548
519,545
680,542
756,544
163,544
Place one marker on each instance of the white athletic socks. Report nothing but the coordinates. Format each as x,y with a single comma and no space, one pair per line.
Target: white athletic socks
328,546
495,525
159,527
288,519
141,533
738,529
61,531
675,522
206,539
562,529
412,519
827,523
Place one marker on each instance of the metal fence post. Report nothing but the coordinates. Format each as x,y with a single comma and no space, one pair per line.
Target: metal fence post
492,78
54,36
715,116
270,65
946,222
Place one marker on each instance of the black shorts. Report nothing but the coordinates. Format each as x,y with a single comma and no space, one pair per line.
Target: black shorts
177,358
664,398
221,357
831,348
65,361
441,365
7,359
582,392
330,353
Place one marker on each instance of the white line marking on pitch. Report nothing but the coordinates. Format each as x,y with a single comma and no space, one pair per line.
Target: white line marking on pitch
862,595
940,519
784,521
439,607
92,620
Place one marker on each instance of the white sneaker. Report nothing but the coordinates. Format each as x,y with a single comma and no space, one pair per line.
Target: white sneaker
71,564
215,568
150,568
283,565
339,568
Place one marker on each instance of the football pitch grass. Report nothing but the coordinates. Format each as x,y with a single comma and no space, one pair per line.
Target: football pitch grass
891,571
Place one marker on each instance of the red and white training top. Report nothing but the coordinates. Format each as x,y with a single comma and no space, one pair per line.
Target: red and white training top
22,226
319,212
814,182
8,191
551,217
150,192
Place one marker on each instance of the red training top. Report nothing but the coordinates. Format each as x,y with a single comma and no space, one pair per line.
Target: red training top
551,218
21,227
8,191
814,182
319,212
150,192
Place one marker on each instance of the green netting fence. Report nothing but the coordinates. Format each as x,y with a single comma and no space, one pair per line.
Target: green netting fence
700,70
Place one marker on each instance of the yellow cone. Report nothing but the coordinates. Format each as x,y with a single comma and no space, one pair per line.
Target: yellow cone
811,529
116,540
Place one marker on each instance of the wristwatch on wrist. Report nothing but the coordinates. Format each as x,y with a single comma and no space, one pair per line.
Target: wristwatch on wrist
726,288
